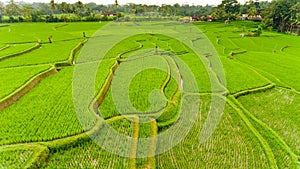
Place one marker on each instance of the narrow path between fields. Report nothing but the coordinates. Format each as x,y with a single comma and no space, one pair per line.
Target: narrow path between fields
42,149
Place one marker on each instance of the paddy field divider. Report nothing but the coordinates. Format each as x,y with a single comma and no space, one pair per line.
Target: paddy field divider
36,46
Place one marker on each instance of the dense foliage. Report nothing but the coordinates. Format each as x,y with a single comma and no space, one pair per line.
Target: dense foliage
282,15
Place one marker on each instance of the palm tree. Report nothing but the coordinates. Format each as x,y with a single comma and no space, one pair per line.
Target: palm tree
64,7
52,6
78,8
176,8
12,9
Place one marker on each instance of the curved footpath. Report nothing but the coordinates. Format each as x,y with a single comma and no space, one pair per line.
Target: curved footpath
41,150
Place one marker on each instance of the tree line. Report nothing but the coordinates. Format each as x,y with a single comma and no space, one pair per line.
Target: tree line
282,15
55,12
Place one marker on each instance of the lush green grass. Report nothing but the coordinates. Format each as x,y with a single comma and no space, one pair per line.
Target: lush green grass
16,77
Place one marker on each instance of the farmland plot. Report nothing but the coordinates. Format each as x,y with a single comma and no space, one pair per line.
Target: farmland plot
145,88
16,77
279,109
231,137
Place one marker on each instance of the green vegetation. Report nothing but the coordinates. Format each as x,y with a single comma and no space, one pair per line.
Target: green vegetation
89,155
14,48
14,158
16,77
141,92
235,145
36,124
279,109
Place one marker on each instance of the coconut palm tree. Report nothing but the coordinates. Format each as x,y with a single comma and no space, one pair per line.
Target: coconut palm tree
52,6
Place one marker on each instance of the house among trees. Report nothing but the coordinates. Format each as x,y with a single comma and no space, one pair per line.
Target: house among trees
251,17
245,16
209,18
111,14
194,18
295,29
186,19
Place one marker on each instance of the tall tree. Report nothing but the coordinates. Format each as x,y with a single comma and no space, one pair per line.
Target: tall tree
252,12
2,9
176,8
12,9
79,7
52,6
219,14
295,17
64,7
278,14
229,9
27,11
231,6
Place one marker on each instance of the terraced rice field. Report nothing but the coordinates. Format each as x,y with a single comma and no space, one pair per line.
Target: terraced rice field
158,100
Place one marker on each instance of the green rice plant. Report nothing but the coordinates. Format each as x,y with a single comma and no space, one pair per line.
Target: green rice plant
144,145
11,159
123,126
263,53
34,121
64,40
47,54
107,108
171,88
279,109
87,154
177,47
283,155
77,29
192,69
274,65
232,145
32,32
142,85
159,41
259,132
239,77
16,77
15,48
122,47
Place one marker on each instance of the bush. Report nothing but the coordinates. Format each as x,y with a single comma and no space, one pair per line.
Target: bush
256,32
